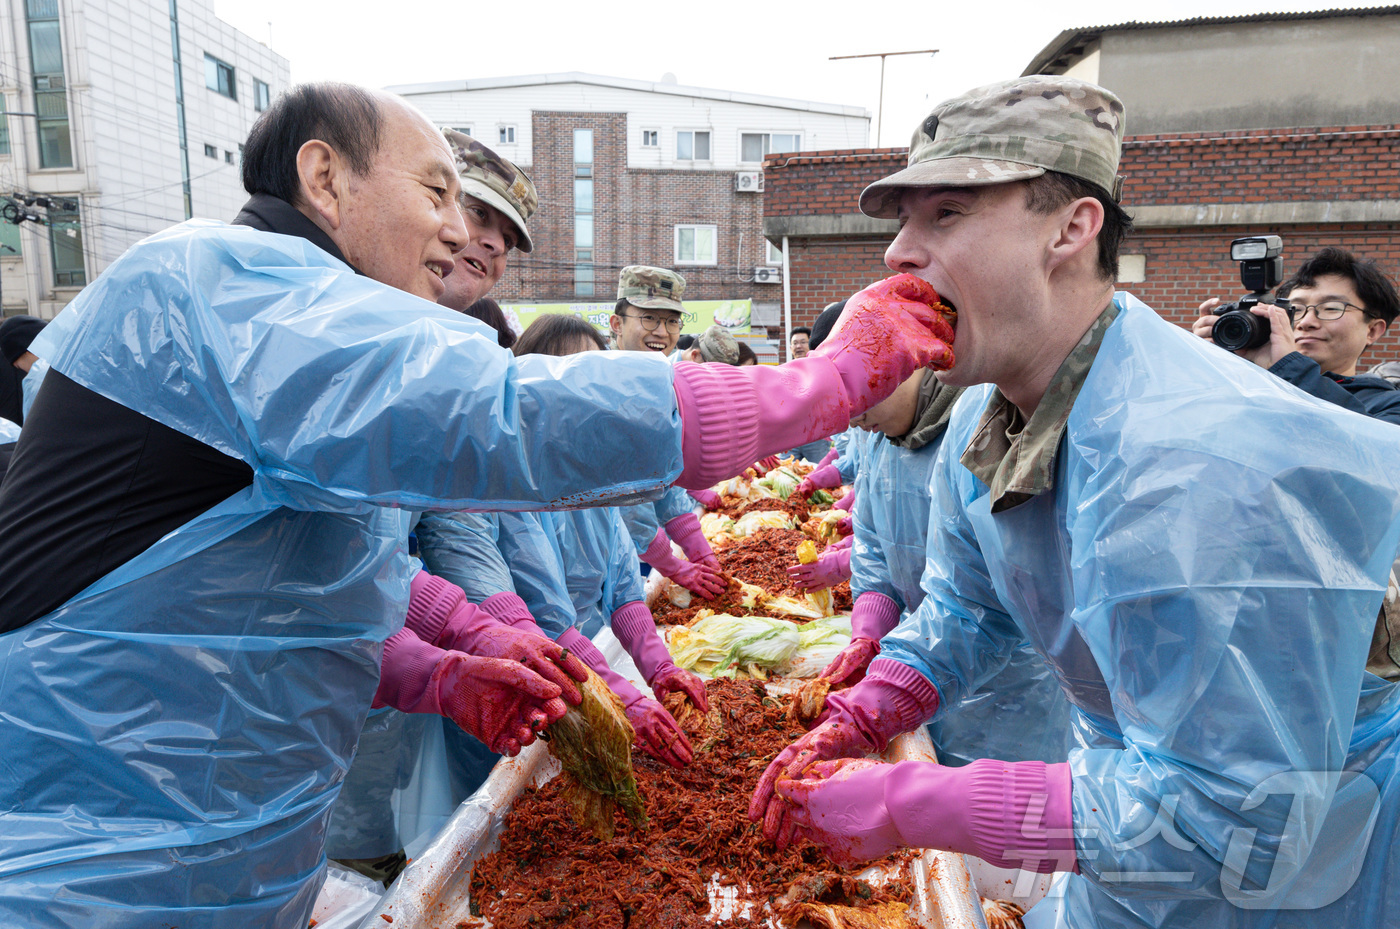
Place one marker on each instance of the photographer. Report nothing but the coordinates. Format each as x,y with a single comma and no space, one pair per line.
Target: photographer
1340,305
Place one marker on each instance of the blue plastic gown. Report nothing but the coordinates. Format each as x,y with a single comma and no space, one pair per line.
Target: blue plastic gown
1021,713
174,735
849,447
592,554
644,520
1203,579
29,387
401,782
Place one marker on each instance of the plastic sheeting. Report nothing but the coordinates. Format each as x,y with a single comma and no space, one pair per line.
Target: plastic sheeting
174,735
644,520
1203,579
1021,713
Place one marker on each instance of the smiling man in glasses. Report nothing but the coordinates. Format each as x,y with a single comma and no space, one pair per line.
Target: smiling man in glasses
648,314
1340,305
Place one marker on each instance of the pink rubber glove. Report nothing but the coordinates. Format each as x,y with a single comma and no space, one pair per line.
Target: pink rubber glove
731,417
635,628
873,615
763,466
832,567
438,612
843,542
844,526
706,498
656,731
859,810
893,698
684,530
830,457
822,478
846,502
502,703
699,579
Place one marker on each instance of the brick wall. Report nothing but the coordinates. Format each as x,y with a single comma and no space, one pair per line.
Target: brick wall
1263,165
1185,264
635,213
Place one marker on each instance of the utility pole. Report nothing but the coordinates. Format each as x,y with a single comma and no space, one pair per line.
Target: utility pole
882,56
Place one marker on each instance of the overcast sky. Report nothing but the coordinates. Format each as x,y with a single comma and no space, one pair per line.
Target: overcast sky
743,45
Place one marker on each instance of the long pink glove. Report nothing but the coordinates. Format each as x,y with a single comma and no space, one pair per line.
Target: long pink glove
438,612
873,615
831,455
893,698
832,567
1011,814
502,703
685,531
635,628
657,732
706,498
846,502
821,478
699,579
734,416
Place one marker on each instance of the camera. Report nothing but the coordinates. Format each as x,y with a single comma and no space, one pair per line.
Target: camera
1261,270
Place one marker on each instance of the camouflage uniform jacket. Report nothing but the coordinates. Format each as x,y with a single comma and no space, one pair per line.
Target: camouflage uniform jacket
1014,457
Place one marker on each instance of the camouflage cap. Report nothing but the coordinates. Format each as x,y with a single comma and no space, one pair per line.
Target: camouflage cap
495,181
1011,131
717,346
651,288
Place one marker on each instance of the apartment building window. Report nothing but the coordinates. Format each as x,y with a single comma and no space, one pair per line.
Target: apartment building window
9,240
695,245
651,138
210,151
228,157
464,130
4,134
66,247
754,145
693,145
583,212
262,95
774,254
506,134
220,77
50,85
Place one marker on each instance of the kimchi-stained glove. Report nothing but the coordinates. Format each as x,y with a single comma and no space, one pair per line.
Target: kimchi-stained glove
439,613
502,703
873,615
734,416
699,579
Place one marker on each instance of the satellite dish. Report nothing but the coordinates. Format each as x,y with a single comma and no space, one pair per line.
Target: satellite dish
668,78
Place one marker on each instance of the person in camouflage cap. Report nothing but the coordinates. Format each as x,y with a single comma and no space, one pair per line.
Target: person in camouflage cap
497,201
1166,526
649,311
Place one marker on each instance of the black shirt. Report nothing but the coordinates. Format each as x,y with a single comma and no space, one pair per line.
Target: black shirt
92,484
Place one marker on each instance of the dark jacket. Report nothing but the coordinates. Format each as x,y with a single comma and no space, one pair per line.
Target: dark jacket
1365,393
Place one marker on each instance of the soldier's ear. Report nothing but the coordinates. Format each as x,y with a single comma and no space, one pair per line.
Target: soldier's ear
1077,228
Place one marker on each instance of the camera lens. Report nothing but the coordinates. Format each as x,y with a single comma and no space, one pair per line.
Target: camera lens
1240,329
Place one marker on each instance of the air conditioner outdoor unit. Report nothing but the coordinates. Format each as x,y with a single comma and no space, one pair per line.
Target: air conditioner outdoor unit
748,181
767,275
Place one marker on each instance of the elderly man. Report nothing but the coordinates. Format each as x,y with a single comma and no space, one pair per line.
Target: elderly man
205,516
1196,549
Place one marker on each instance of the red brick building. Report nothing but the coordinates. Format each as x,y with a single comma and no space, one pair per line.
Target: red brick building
1212,168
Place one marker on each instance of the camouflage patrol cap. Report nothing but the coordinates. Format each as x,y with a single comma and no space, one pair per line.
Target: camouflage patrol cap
651,288
495,181
1011,131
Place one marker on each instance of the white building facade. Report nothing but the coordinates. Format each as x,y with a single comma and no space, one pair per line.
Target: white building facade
669,125
122,118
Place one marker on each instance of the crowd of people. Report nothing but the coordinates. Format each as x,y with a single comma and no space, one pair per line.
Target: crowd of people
294,520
